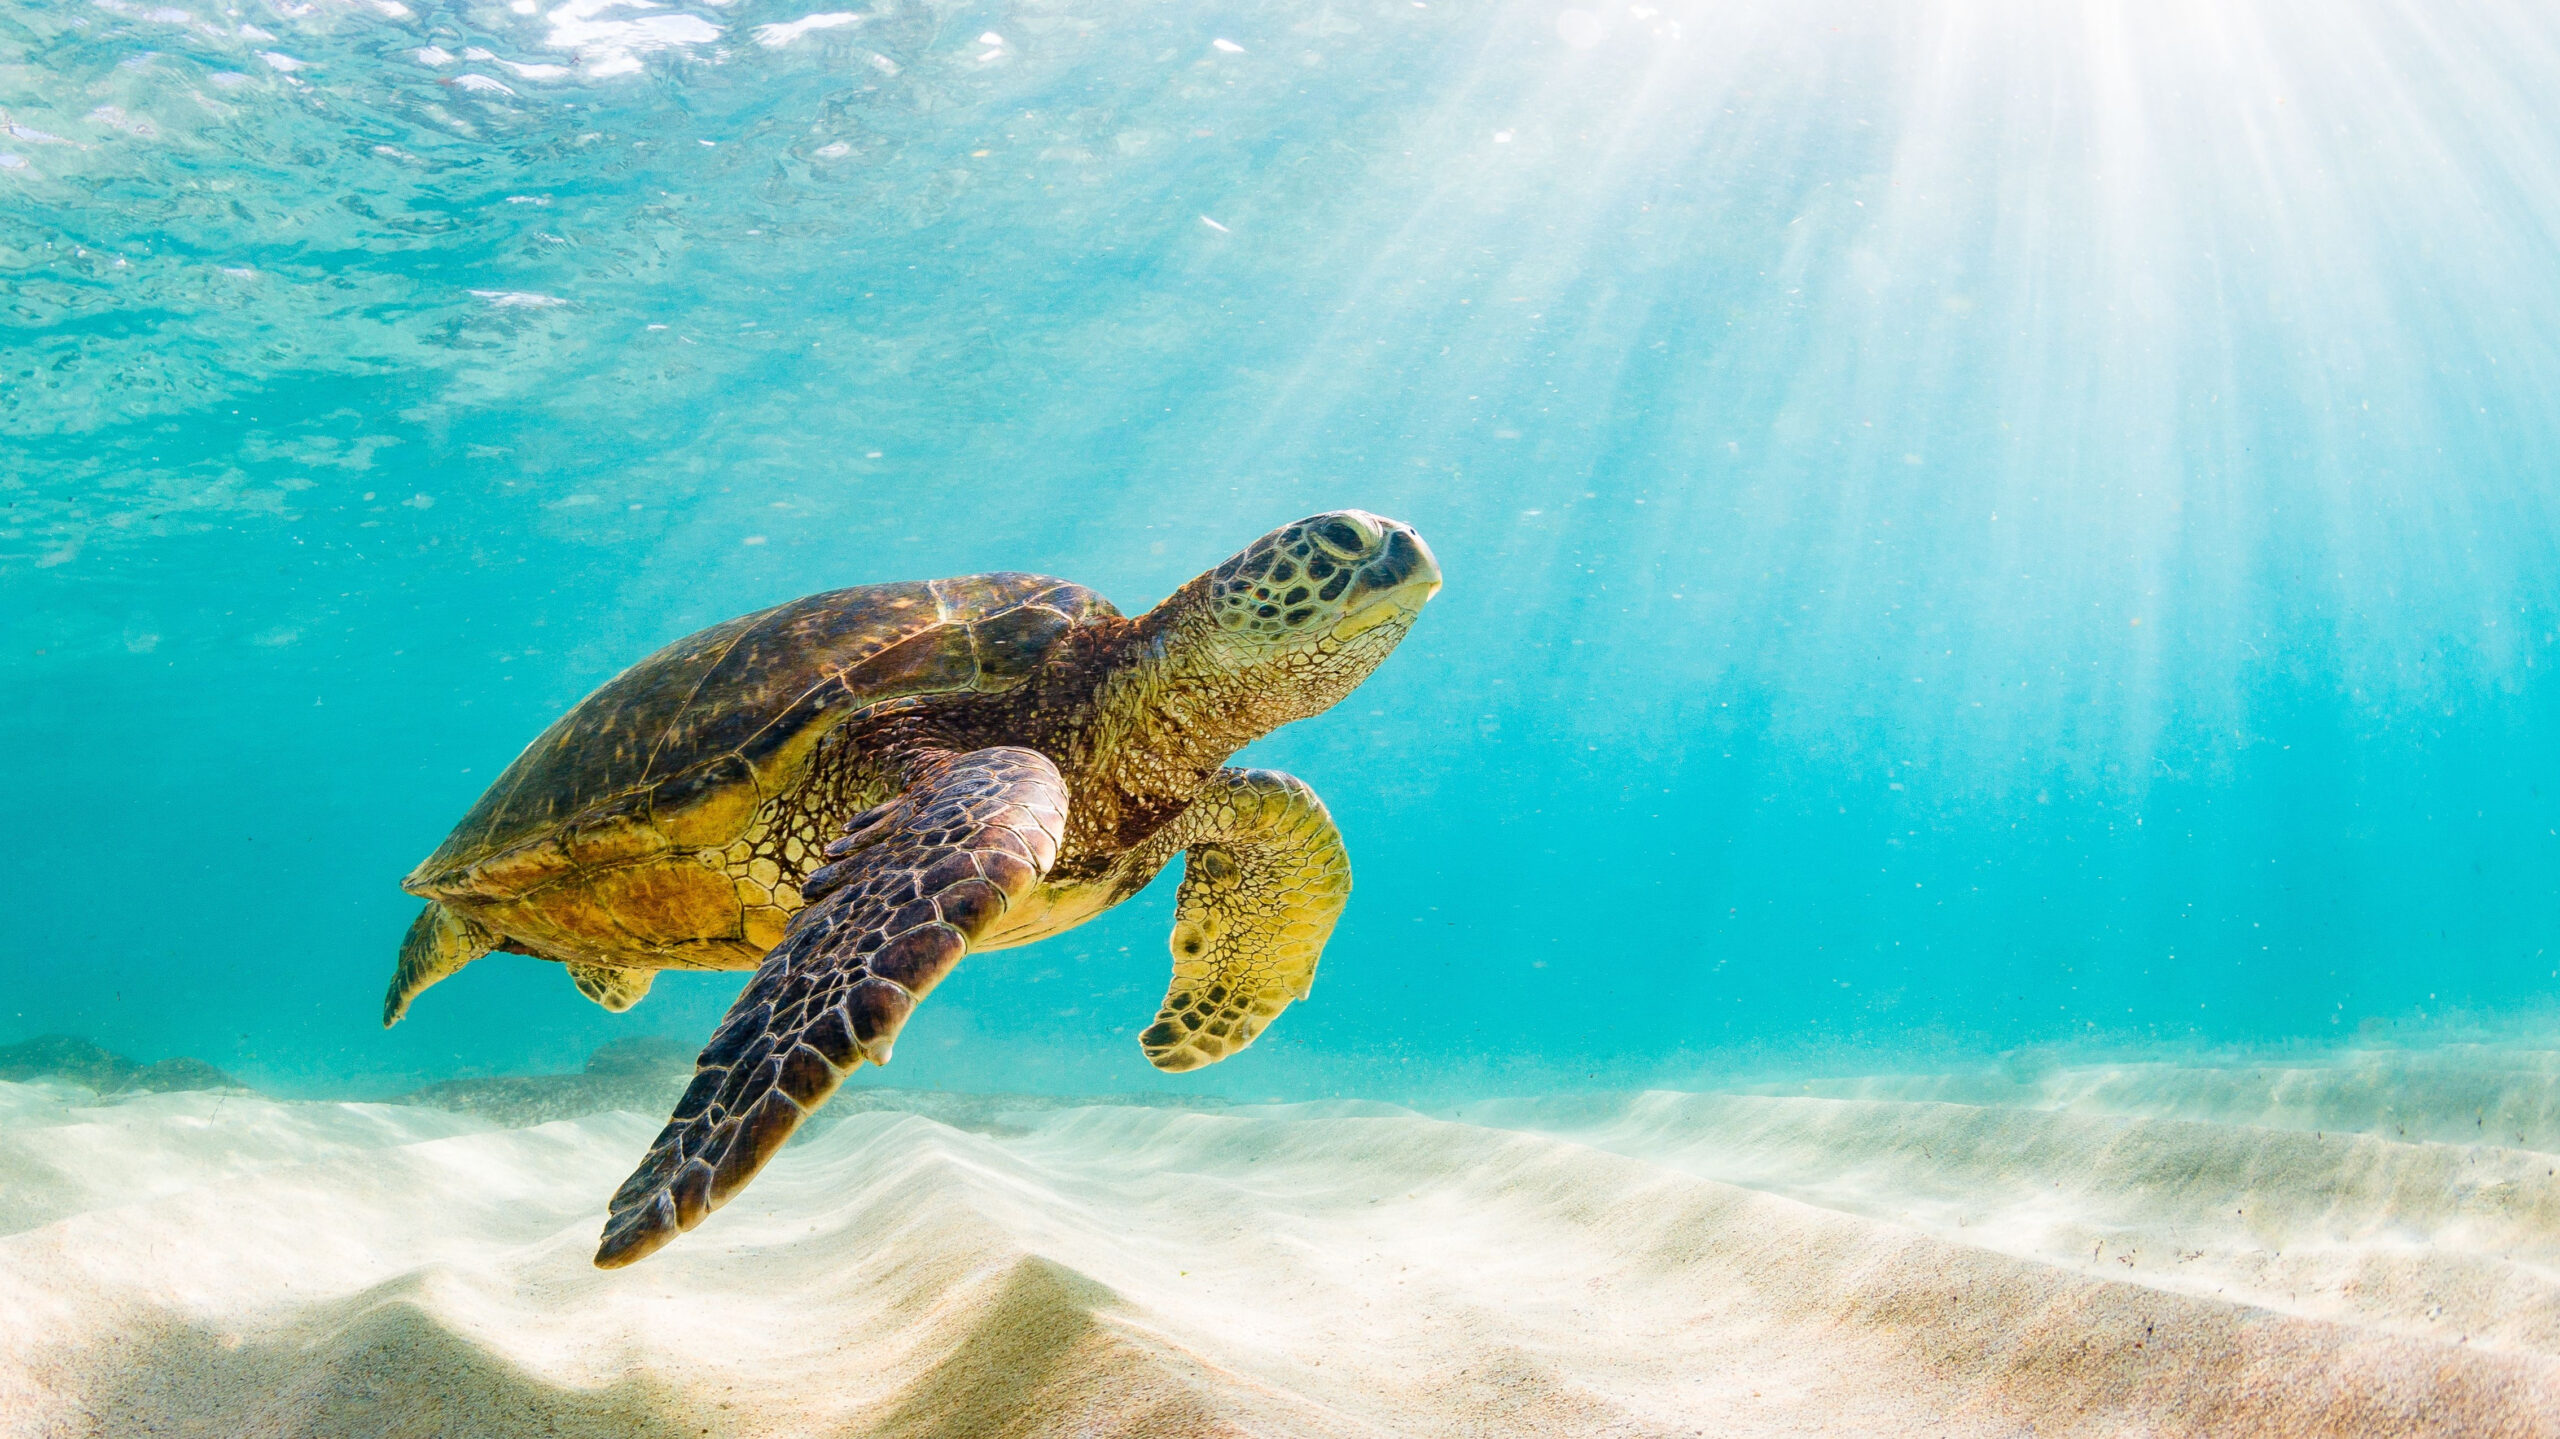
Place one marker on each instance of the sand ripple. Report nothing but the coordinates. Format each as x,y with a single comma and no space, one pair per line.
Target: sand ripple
1660,1264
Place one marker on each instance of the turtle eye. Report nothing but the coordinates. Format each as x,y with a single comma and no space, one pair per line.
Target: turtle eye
1346,536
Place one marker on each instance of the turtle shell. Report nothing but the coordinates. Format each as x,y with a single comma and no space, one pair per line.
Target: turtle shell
680,750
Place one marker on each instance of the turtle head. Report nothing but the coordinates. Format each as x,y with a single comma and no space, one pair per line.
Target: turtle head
1307,611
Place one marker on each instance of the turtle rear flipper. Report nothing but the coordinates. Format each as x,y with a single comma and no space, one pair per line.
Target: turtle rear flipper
913,886
440,942
615,987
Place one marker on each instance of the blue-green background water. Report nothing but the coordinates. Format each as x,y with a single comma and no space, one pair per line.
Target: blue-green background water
1969,523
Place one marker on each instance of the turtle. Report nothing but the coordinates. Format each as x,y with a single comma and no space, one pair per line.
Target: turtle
851,792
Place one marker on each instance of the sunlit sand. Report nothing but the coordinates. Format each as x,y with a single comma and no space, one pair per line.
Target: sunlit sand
2132,1250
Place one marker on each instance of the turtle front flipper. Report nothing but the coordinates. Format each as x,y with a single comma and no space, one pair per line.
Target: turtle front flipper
1264,879
913,884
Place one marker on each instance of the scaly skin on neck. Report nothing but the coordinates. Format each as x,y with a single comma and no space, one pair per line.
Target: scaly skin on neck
1141,720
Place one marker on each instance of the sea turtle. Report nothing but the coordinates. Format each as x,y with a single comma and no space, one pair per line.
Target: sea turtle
849,792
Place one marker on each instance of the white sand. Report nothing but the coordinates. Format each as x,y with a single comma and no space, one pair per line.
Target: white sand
2134,1251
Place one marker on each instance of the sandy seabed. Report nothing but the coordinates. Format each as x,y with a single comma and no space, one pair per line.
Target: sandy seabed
2365,1246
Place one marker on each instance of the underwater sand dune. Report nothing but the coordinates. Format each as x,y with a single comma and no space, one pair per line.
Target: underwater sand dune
1621,1265
2434,1241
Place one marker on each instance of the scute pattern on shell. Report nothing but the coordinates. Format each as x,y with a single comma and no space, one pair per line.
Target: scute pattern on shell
911,885
683,749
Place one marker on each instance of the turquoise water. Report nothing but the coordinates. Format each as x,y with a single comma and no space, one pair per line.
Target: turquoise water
1969,525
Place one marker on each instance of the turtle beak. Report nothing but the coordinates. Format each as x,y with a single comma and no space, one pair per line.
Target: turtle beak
1394,586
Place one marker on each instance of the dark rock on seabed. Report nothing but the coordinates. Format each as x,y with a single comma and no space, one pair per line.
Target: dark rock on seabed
644,1074
65,1056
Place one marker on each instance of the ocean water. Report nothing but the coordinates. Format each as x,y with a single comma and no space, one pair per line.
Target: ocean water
1970,847
1972,527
